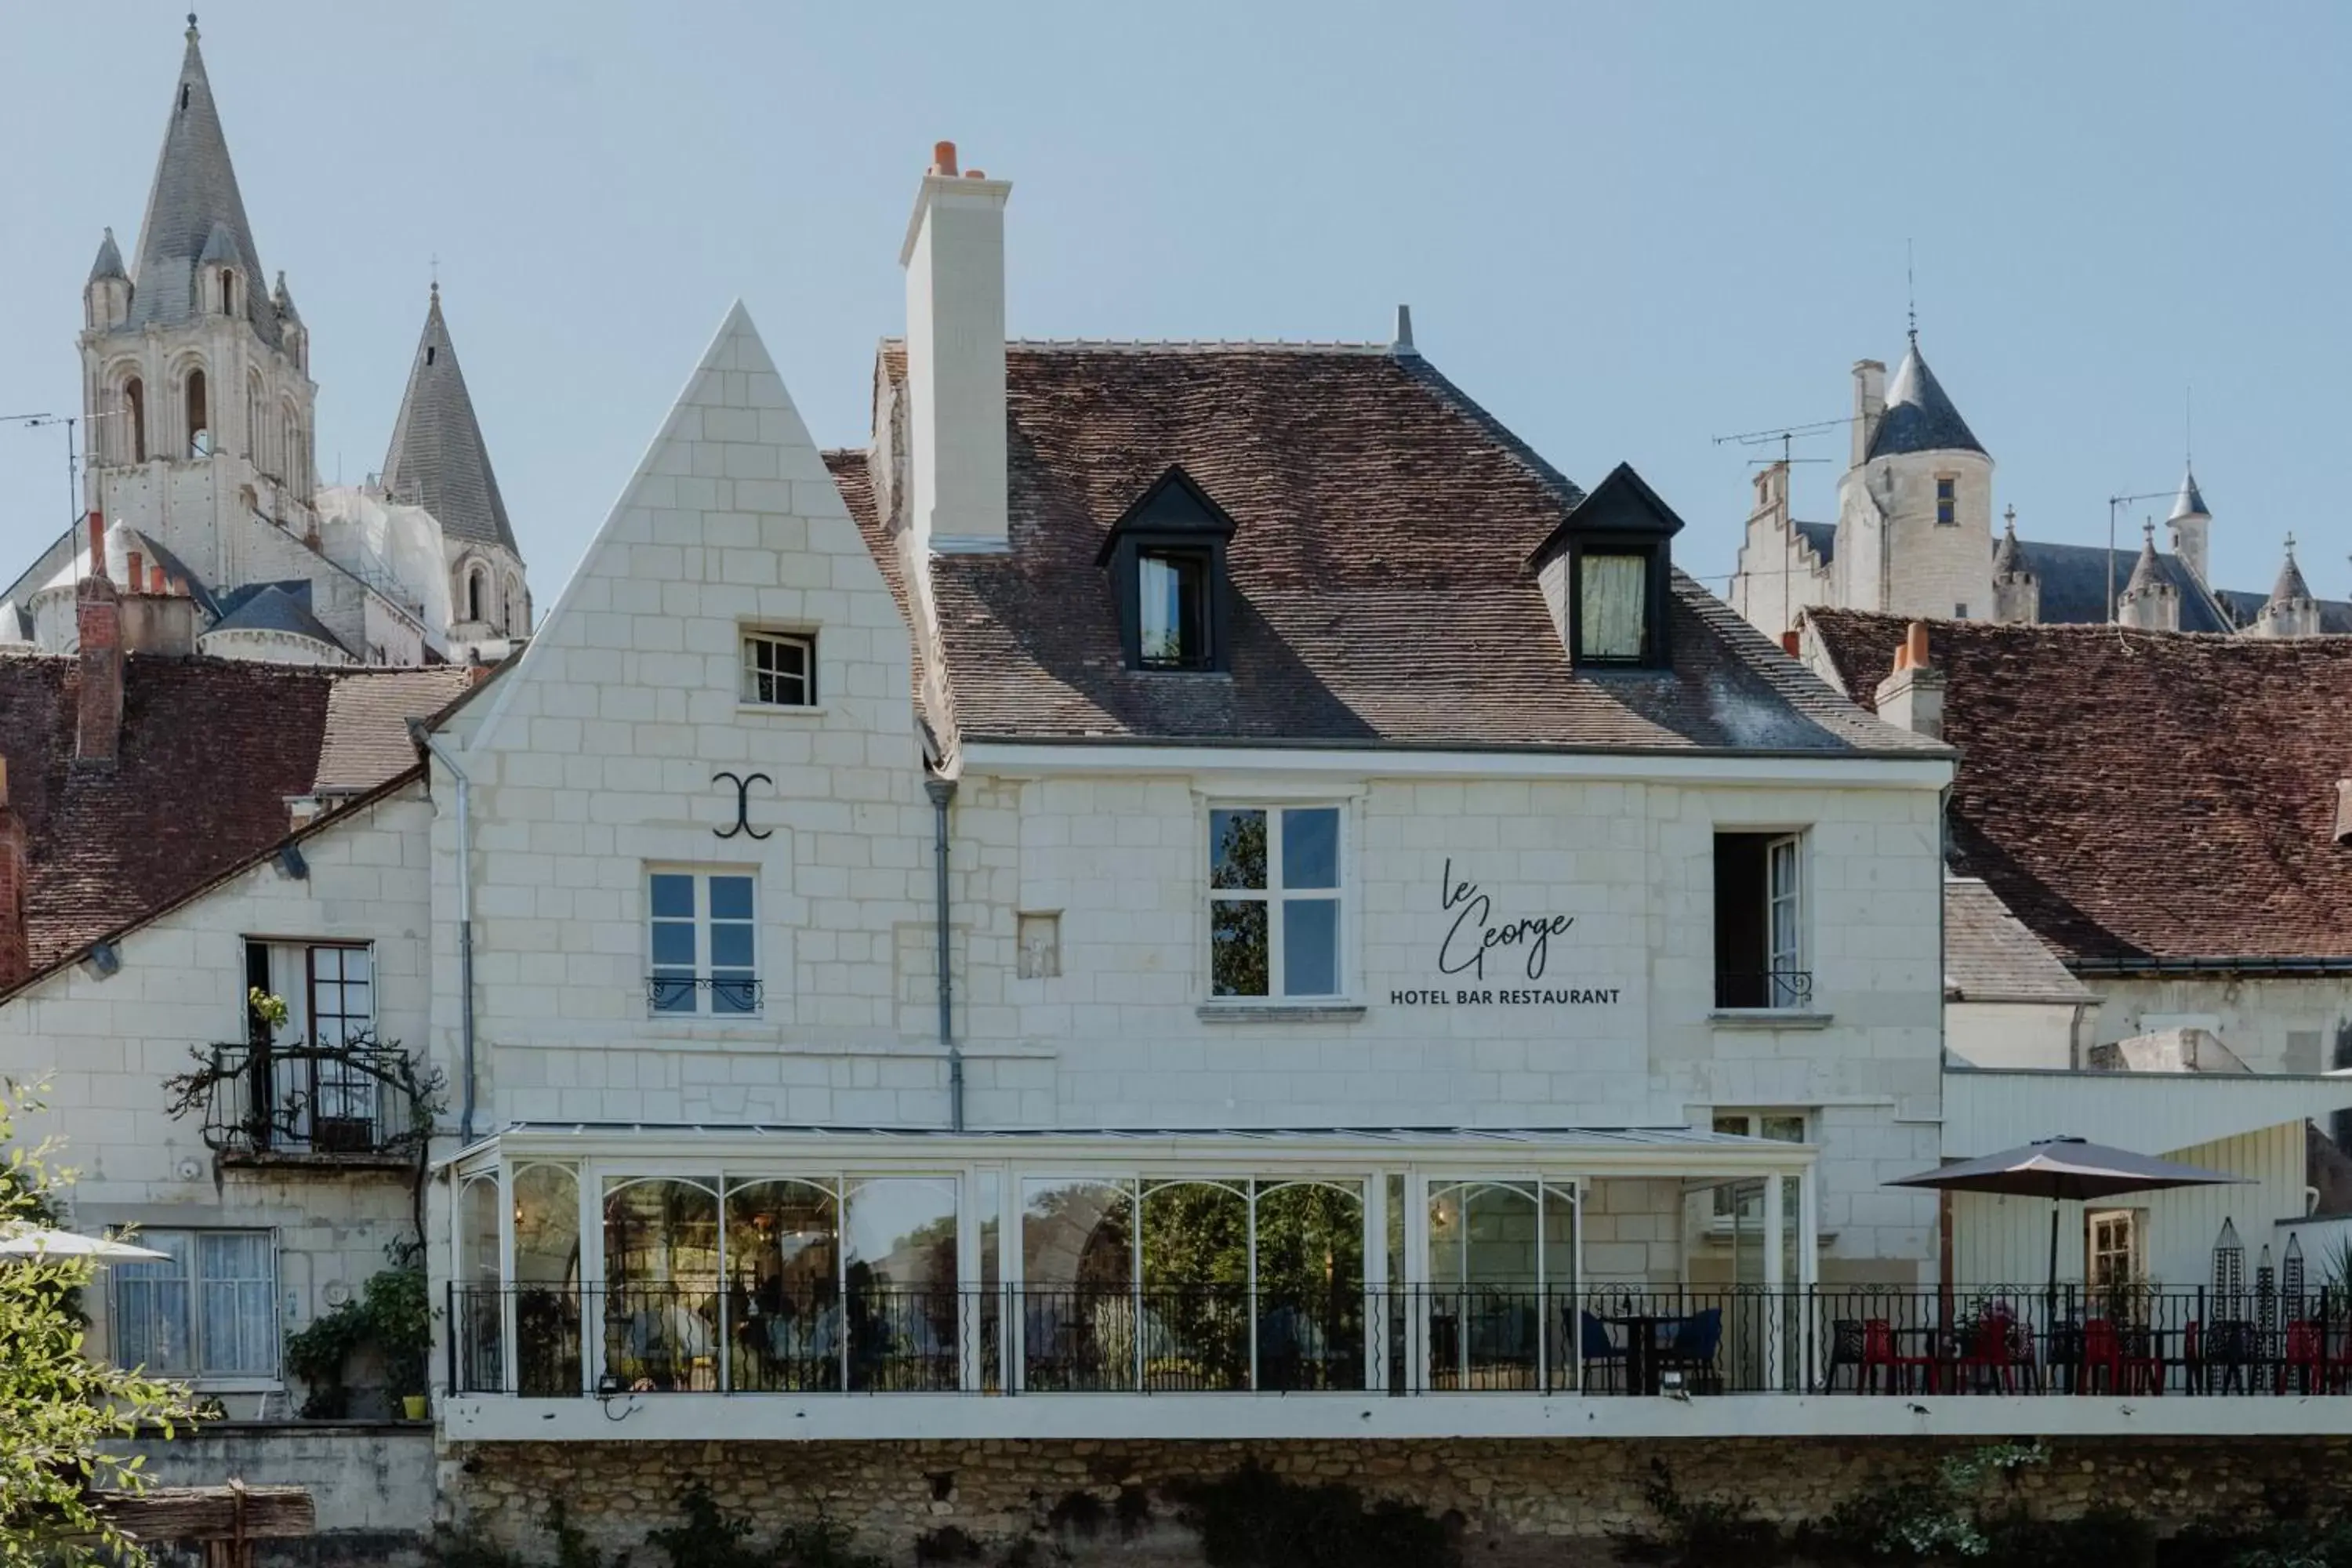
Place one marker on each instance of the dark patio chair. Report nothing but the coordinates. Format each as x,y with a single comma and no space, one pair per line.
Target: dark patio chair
1845,1353
1598,1350
1692,1351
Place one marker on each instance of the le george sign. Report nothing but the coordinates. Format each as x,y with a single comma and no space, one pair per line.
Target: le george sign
1476,935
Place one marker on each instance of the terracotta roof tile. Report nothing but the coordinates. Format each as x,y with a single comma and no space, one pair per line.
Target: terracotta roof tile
1378,571
365,740
2140,795
1990,956
210,752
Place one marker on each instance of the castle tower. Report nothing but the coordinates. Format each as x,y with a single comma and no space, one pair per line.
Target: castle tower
195,384
2189,523
1915,510
439,461
2150,601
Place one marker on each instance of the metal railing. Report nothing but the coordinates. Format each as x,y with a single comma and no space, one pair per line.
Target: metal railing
264,1099
1415,1340
1787,989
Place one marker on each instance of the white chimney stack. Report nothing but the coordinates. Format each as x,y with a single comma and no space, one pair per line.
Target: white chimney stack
954,258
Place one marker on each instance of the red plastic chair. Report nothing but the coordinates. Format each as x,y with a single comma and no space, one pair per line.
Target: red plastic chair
2103,1352
2306,1356
1878,1352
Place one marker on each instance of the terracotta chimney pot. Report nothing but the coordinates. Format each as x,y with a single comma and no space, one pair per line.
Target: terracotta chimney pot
943,157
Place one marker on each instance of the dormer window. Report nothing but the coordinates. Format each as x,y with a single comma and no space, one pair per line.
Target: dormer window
1607,574
1612,592
1171,602
1166,556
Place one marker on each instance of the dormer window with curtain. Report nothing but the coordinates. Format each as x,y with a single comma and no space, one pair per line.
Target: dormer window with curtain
1166,556
1607,572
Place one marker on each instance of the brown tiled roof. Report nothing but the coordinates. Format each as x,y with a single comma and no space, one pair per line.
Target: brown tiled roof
1990,956
209,754
1378,571
2136,797
365,740
851,478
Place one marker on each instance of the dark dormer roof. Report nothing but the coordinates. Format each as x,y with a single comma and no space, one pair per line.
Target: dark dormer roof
438,459
194,213
1173,506
1919,416
1621,506
110,261
2188,504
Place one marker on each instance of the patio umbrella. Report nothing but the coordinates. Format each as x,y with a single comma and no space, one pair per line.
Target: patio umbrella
40,1242
2064,1169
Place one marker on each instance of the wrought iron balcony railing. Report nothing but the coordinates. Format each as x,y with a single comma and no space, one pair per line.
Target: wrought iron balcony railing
1789,989
605,1340
721,995
259,1100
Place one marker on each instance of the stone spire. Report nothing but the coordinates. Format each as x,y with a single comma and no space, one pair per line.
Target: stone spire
109,265
2016,593
2190,525
439,460
194,213
2188,503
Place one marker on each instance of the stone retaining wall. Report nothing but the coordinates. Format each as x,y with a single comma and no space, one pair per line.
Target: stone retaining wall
1511,1495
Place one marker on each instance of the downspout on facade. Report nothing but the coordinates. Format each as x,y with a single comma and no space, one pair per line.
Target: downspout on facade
943,790
465,926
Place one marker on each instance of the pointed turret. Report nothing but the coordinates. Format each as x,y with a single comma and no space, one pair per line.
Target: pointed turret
2291,611
2016,592
194,214
2191,524
1919,416
109,265
2151,600
437,459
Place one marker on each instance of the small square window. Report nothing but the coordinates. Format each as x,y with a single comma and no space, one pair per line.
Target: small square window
779,669
703,950
1946,499
1172,609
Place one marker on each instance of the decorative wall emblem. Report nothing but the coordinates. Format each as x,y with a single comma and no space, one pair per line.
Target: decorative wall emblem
743,783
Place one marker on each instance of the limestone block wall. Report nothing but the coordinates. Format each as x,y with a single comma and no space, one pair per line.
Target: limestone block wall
2273,1025
106,1046
372,1484
1505,1493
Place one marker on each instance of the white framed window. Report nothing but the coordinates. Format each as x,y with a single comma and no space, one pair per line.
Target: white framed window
703,943
1760,921
207,1309
1737,1199
1275,902
317,1099
2112,1256
780,669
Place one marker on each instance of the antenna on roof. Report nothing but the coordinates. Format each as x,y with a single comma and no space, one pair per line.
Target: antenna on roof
2189,426
2115,505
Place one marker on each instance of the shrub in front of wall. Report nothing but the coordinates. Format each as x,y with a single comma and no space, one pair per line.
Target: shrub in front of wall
1254,1518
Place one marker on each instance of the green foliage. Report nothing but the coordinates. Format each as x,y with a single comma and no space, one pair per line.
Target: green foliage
708,1536
393,1313
58,1407
1706,1534
1254,1518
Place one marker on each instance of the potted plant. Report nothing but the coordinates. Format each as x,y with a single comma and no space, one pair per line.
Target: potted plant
394,1315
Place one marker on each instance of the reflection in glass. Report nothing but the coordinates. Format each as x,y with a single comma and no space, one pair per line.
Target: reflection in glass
1484,1314
478,1274
1194,1311
547,1280
661,1309
1310,947
1077,1255
1237,850
1310,847
1238,964
1311,1286
901,1271
784,1286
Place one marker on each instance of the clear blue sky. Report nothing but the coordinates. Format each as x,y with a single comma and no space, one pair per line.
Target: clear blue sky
1625,227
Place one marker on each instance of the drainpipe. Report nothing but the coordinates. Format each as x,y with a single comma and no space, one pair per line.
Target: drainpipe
465,926
941,792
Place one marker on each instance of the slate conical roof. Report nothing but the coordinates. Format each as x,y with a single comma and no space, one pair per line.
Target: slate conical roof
437,459
2148,572
2290,585
2188,504
195,193
1919,416
109,260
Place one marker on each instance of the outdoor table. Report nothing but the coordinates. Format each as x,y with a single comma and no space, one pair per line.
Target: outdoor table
1640,1349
